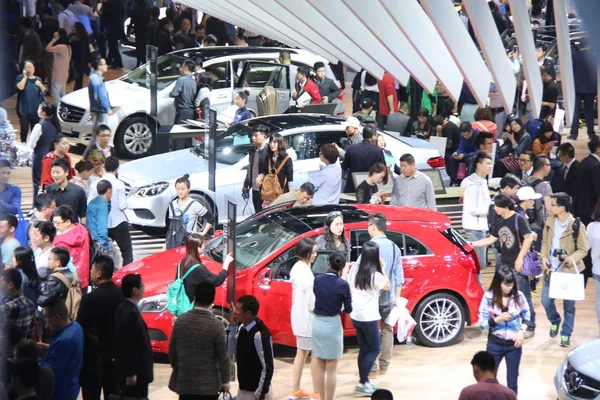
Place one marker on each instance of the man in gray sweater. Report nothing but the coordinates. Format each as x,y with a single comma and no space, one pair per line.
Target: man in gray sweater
198,350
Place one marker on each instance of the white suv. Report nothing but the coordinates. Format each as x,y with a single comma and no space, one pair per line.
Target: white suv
237,68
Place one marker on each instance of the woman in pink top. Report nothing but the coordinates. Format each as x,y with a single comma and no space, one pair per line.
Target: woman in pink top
59,46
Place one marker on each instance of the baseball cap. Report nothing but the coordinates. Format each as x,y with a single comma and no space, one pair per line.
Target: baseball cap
527,193
367,102
352,121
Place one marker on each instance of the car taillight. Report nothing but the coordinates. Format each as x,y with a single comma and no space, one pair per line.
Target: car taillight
341,95
469,261
436,162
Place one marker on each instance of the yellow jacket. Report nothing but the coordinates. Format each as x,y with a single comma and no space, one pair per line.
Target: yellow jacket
567,244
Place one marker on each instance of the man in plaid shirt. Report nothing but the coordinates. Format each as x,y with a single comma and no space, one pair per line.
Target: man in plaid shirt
15,308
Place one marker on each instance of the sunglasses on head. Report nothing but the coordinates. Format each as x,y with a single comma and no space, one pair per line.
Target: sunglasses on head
335,214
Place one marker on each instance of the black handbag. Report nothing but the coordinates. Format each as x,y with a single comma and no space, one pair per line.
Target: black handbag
385,307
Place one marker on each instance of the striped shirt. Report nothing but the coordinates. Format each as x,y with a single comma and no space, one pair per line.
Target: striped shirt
416,191
184,91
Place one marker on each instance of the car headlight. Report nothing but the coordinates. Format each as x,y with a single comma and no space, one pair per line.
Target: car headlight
152,190
153,304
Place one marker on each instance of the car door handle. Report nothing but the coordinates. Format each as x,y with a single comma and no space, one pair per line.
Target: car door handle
222,96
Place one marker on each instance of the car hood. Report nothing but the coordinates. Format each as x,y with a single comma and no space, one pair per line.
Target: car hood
586,359
119,92
159,269
418,143
162,167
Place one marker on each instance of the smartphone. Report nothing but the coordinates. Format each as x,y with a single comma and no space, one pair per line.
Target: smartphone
232,306
515,48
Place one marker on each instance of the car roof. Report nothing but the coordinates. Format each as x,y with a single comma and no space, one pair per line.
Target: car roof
207,53
288,121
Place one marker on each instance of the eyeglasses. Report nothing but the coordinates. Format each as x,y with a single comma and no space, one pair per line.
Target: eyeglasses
335,214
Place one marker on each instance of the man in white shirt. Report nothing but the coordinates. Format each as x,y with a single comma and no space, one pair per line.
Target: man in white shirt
412,188
42,237
118,226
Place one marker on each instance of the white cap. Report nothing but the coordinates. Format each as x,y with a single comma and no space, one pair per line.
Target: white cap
527,193
352,121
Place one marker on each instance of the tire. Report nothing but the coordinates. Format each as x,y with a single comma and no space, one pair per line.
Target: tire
440,320
134,137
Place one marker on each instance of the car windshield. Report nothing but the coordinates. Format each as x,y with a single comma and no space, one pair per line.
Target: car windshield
258,237
168,70
232,145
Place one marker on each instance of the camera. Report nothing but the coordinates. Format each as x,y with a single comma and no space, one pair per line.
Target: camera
560,254
245,194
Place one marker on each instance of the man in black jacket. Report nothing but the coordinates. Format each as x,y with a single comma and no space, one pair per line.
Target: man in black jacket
256,156
133,365
565,178
327,87
360,157
251,342
97,317
587,191
53,286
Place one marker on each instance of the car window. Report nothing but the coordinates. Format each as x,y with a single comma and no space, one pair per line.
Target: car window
221,75
302,145
338,137
281,267
168,70
261,74
409,246
232,145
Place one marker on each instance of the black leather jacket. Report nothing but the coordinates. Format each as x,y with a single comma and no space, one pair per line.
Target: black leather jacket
52,286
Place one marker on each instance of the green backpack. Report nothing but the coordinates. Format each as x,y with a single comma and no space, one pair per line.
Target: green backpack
178,301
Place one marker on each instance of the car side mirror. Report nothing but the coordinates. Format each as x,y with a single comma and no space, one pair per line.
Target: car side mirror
245,167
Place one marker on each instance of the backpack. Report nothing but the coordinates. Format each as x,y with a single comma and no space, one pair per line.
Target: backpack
532,214
178,301
74,294
177,232
271,188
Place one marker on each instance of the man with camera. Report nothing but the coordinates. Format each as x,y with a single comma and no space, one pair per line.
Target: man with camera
564,245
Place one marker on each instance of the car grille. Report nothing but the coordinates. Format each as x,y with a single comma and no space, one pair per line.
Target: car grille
69,113
579,385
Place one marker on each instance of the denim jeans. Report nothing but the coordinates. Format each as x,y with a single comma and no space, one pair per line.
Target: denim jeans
553,315
367,334
512,355
472,236
523,286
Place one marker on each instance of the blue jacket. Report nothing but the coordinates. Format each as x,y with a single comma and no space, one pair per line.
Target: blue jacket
97,220
10,200
65,358
241,114
99,101
467,146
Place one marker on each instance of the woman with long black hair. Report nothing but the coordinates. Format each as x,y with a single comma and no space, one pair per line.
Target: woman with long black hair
198,273
42,136
277,159
367,280
505,312
59,46
24,261
334,237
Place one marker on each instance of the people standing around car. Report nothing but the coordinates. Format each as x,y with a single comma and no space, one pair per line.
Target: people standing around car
256,158
564,245
30,94
487,386
59,46
476,200
40,140
509,185
100,108
97,214
334,235
504,311
360,157
242,113
102,135
332,296
278,78
305,90
198,273
202,100
537,180
190,210
66,193
53,285
352,129
327,87
388,98
84,171
15,308
58,150
75,238
8,226
198,350
249,339
367,279
328,180
367,191
302,196
64,354
133,368
412,188
276,164
391,256
184,93
96,317
301,314
42,239
10,195
97,158
24,262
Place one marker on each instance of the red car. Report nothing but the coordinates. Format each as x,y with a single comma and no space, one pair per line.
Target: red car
440,269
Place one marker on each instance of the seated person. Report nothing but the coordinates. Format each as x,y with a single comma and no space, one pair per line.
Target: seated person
368,192
466,151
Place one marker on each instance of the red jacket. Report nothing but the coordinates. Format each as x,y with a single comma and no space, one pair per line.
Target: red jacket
47,166
311,88
77,241
387,87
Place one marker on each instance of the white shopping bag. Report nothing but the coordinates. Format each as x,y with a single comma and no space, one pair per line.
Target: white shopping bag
406,323
559,119
567,286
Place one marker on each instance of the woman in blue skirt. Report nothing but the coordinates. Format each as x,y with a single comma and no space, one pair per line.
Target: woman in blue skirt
331,293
